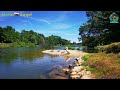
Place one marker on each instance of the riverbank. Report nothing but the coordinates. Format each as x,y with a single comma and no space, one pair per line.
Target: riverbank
76,70
17,44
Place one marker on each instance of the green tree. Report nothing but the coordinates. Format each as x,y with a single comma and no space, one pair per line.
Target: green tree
98,30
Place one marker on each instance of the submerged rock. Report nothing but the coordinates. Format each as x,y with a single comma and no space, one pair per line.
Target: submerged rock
43,77
59,77
58,74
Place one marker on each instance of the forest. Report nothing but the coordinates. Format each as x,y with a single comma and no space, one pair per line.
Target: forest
11,37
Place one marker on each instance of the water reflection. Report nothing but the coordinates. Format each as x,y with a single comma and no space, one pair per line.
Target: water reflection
7,56
30,55
25,54
36,64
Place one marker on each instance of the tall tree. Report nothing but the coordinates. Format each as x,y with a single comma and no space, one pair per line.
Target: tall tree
98,30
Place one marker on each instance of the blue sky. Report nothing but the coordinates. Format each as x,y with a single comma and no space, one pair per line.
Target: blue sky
60,23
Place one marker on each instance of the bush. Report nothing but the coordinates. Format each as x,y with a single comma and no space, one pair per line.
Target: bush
71,48
111,48
86,56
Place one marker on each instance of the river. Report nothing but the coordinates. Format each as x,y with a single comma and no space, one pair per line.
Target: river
31,63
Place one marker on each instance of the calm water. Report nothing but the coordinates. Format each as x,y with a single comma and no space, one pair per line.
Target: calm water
30,63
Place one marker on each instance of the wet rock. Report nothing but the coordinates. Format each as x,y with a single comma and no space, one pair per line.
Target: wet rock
76,63
70,66
59,77
57,67
65,69
57,74
76,59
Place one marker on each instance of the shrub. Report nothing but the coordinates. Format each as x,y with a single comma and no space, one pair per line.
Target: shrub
86,56
111,48
71,48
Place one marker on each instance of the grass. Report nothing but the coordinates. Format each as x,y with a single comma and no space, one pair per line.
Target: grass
102,65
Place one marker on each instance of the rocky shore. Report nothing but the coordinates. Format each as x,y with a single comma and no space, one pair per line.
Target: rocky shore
75,70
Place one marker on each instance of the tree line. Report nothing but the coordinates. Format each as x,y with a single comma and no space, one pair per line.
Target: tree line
9,35
98,30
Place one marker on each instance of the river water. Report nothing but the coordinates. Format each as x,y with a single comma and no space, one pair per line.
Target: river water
31,63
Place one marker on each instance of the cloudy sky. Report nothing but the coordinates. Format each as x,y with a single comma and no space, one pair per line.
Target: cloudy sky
60,23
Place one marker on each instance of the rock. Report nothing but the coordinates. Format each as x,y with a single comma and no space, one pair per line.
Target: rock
85,77
70,66
77,68
80,61
65,69
67,72
59,77
76,59
73,73
59,74
43,77
88,72
79,73
76,76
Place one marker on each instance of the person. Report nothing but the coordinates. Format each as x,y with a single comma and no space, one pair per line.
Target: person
67,50
58,50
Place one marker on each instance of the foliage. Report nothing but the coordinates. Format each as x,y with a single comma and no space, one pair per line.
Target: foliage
111,48
71,48
28,39
86,56
98,30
